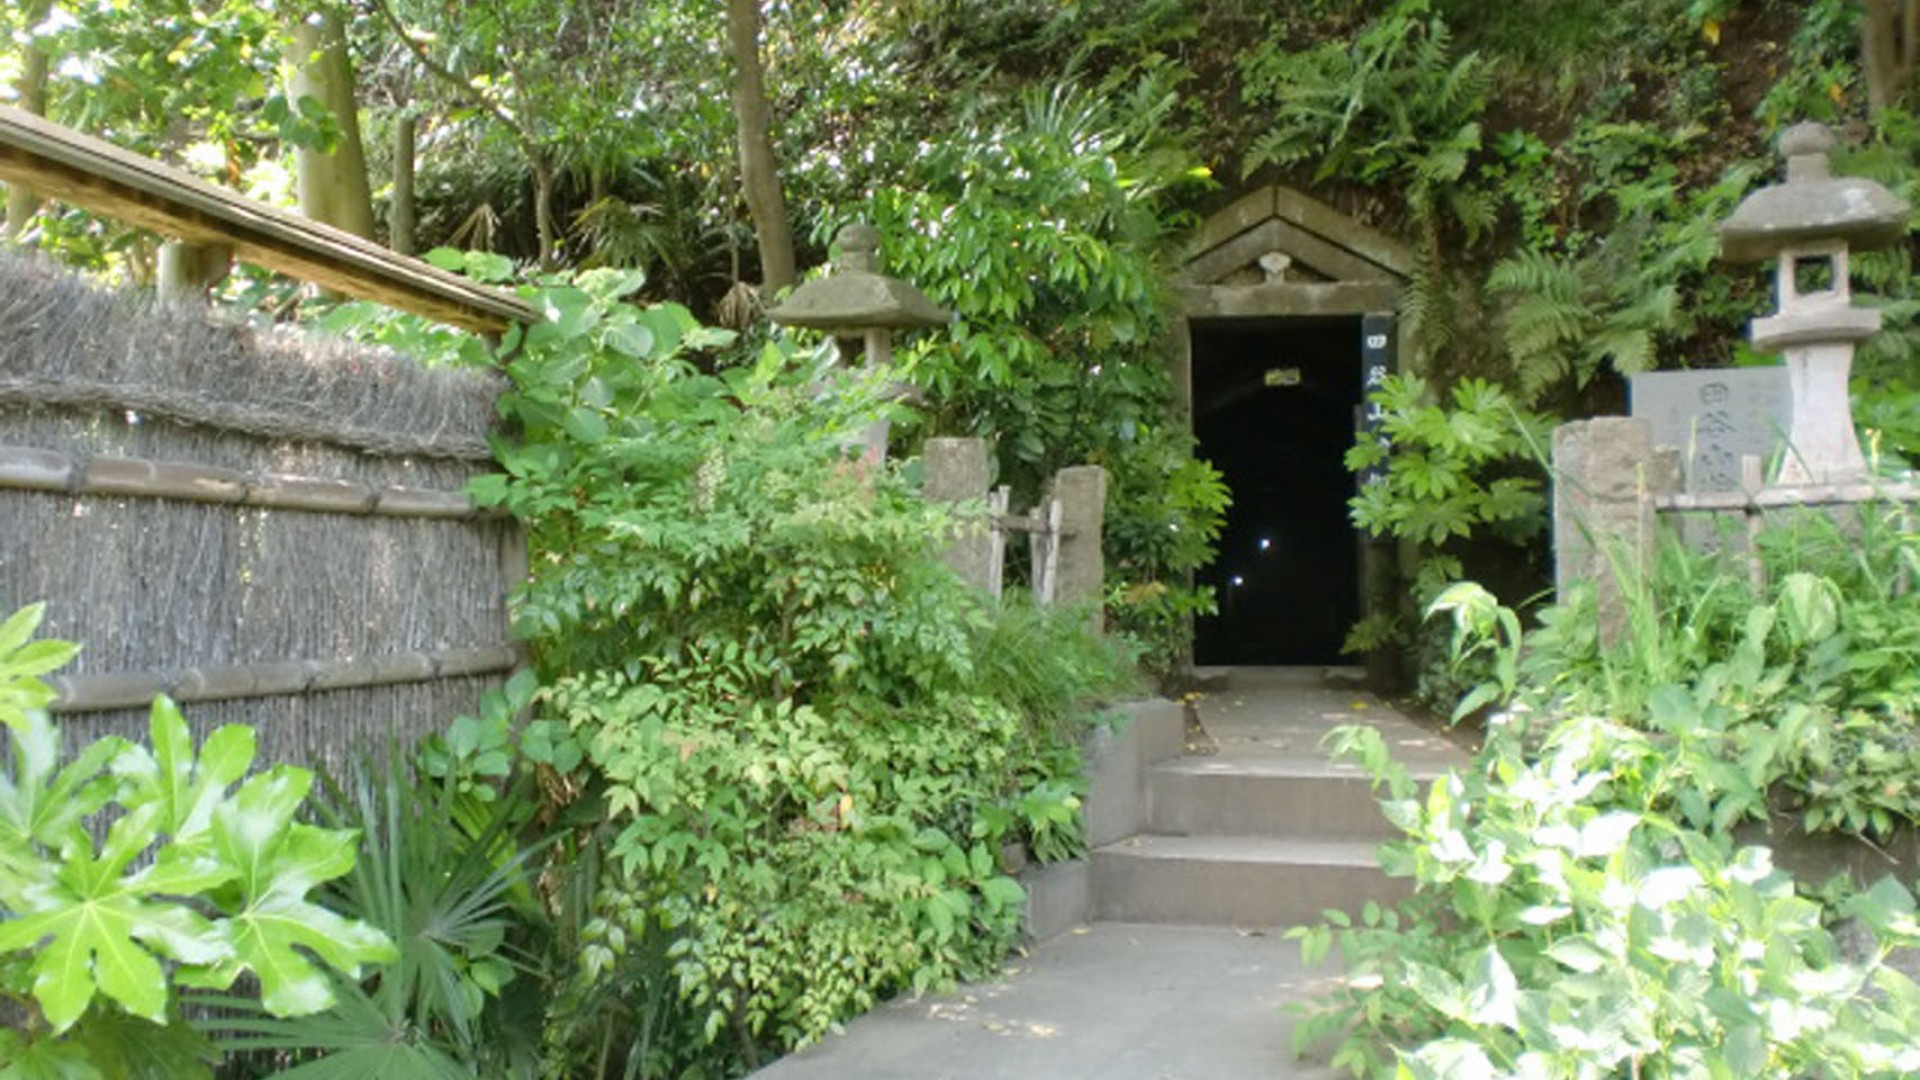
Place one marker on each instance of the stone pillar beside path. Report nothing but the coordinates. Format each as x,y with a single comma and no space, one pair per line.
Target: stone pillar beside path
1606,472
1082,491
959,471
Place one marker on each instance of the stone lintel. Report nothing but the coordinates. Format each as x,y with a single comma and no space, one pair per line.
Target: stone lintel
1288,299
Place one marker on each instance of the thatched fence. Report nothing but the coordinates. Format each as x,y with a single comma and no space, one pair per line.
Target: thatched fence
268,527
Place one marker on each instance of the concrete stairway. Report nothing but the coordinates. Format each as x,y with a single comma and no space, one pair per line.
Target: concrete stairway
1245,842
1265,833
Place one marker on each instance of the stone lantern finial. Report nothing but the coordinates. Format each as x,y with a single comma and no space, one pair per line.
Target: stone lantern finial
1812,221
859,249
1805,146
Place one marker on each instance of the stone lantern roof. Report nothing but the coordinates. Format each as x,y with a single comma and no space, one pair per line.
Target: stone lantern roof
857,296
1813,207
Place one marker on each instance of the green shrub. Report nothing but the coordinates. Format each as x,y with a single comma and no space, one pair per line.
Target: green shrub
452,890
1573,922
1600,918
130,871
808,738
1047,230
1465,468
1813,682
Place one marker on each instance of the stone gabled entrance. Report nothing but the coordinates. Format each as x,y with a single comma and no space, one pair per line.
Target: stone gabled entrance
1276,293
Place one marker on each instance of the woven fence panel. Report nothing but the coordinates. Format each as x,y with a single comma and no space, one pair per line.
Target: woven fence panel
270,527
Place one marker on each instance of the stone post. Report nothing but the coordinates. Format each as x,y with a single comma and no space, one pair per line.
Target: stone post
958,471
1605,473
1082,491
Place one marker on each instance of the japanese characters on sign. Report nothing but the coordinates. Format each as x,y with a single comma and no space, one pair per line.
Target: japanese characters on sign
1715,417
1376,363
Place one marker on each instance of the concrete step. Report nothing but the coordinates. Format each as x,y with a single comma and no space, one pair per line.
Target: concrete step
1243,881
1282,797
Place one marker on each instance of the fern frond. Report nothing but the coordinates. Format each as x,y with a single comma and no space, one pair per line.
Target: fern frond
1476,209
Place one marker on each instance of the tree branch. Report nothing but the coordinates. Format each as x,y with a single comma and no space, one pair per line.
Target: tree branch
461,87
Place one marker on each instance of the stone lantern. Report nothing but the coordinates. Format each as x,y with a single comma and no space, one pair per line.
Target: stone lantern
858,302
1811,222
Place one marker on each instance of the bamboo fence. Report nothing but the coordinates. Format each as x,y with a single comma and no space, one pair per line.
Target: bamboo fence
268,526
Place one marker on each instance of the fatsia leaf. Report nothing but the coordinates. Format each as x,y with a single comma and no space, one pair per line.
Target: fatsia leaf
273,926
20,626
186,790
22,662
44,1058
43,808
96,929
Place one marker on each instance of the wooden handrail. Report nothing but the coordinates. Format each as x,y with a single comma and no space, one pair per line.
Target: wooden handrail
96,175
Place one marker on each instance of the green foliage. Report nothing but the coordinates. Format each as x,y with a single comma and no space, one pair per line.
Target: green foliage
1600,930
1577,305
1393,105
447,887
808,740
130,870
1388,107
1811,681
1435,485
22,662
1045,232
1442,474
1175,515
1604,919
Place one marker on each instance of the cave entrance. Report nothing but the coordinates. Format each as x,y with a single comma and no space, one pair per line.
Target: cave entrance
1274,408
1290,308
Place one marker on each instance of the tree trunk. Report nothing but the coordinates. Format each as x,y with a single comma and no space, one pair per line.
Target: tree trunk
186,271
401,213
759,177
332,184
22,201
1889,49
543,213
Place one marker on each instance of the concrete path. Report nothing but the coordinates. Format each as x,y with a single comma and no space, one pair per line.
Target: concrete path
1113,1001
1284,712
1123,1001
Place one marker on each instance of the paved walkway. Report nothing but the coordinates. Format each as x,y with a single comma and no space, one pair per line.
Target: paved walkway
1116,1001
1113,1001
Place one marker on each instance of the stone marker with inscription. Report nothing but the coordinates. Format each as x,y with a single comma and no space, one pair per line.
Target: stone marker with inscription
1715,417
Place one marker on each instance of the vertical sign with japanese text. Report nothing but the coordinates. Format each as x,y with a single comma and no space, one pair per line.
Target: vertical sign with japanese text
1376,363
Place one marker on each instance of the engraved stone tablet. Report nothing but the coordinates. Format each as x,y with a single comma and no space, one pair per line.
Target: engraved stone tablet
1714,417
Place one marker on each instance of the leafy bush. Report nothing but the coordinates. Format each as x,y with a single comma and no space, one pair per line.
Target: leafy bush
1177,506
1602,917
1392,104
1594,929
129,871
1812,681
809,740
1443,473
449,889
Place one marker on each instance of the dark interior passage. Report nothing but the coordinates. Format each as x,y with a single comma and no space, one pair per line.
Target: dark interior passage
1274,405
